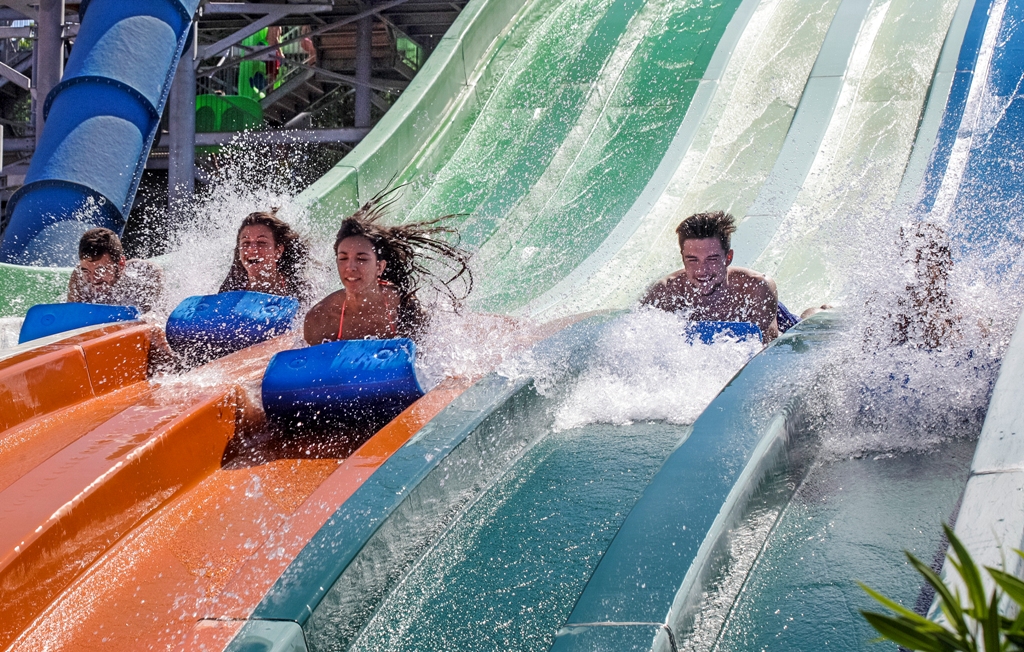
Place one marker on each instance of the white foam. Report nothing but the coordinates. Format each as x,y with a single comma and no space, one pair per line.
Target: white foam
470,345
10,327
878,395
644,368
201,247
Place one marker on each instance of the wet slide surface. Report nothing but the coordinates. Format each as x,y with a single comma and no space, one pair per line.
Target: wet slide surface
556,150
507,573
578,105
849,520
132,506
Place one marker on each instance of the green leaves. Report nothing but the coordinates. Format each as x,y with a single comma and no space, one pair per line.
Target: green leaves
974,621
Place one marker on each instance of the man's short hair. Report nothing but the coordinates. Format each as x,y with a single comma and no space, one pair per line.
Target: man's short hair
715,224
96,242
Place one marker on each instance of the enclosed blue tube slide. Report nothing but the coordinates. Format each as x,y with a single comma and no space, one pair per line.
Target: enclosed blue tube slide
101,121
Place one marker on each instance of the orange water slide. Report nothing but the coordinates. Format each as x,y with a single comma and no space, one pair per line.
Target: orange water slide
92,448
134,509
189,575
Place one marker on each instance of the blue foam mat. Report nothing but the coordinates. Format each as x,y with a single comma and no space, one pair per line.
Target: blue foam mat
341,381
47,319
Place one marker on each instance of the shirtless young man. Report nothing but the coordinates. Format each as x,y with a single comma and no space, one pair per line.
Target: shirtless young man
708,287
105,276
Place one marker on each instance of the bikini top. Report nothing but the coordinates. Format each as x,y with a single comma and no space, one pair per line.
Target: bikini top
341,322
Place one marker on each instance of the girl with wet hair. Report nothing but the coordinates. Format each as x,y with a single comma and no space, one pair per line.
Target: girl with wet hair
382,268
269,257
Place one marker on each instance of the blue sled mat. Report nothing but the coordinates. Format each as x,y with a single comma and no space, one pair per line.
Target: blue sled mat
706,331
341,382
48,319
210,326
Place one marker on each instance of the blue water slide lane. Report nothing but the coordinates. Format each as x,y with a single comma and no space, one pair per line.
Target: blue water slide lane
948,97
985,219
306,582
991,516
101,121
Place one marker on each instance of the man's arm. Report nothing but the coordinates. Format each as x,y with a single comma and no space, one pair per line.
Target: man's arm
768,317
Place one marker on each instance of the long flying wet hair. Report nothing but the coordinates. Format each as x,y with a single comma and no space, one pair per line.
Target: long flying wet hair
291,265
418,255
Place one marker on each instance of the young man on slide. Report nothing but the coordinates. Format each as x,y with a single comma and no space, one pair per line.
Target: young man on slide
709,288
104,276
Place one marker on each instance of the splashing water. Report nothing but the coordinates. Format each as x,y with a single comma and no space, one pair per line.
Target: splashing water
201,247
645,368
9,329
922,351
469,345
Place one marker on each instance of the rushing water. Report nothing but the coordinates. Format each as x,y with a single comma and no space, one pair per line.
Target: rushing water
508,572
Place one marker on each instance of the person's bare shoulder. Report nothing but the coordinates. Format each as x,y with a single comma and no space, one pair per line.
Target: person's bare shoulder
322,320
662,293
752,281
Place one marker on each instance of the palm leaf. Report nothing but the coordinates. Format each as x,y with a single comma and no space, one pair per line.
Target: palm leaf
906,634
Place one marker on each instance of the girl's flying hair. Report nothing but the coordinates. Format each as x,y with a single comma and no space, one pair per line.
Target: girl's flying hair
417,254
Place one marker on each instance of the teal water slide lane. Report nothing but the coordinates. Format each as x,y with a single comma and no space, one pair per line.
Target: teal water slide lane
646,589
363,550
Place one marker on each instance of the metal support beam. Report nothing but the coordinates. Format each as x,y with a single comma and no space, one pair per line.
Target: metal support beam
286,89
12,75
277,137
20,67
231,8
15,32
364,69
273,13
49,55
316,32
182,137
382,85
22,7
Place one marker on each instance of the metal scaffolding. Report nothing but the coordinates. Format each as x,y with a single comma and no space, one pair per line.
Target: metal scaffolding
299,60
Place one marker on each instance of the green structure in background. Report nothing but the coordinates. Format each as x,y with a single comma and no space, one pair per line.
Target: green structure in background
411,54
252,75
227,113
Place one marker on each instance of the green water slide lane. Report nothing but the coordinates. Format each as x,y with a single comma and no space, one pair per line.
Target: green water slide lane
22,287
720,157
625,133
556,134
